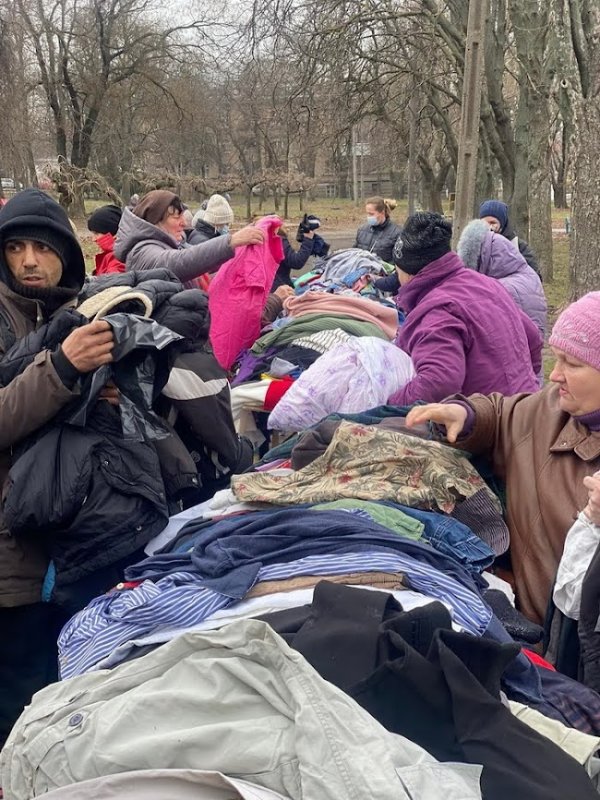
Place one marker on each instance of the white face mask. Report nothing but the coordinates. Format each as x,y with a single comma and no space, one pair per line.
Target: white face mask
372,221
223,230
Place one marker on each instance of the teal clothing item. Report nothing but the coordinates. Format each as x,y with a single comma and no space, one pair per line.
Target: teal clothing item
313,323
391,518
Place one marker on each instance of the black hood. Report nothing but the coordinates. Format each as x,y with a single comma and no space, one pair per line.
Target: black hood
34,208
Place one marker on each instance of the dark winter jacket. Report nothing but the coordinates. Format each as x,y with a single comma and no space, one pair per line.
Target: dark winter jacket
202,232
197,404
293,260
203,449
509,233
98,496
589,635
38,394
391,283
379,239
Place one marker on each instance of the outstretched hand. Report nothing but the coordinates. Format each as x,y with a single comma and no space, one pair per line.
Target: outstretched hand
452,415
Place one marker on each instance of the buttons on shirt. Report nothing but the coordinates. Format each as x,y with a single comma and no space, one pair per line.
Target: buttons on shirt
75,720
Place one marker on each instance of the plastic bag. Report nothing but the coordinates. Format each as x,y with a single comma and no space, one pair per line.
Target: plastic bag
139,370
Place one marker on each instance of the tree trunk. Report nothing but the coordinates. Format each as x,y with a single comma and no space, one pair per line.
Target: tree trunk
249,204
519,201
540,222
286,203
585,243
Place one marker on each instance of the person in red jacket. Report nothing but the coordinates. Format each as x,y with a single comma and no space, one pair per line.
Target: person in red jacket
103,224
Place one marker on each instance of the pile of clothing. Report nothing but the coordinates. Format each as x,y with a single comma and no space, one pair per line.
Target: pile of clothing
330,350
327,627
345,270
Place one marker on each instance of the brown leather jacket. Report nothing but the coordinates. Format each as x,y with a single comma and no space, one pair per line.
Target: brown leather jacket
542,454
26,404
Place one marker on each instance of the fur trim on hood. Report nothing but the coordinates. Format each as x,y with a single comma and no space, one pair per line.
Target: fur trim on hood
471,241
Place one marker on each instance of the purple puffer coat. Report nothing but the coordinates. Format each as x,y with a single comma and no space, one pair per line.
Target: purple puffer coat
493,255
465,335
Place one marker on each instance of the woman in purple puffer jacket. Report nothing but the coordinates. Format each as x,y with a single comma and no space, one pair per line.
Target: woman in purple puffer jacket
491,254
463,331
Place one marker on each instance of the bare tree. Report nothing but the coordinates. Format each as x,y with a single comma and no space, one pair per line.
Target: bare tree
85,47
583,19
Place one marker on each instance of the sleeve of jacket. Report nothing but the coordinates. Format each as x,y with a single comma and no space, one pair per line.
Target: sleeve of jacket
491,433
199,390
529,256
438,354
186,263
390,283
31,400
534,341
108,264
296,259
273,308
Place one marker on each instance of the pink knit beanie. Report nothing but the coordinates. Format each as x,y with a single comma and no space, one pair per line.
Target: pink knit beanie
577,330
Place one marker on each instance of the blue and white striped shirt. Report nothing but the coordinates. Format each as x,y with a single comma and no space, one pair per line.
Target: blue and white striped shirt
178,600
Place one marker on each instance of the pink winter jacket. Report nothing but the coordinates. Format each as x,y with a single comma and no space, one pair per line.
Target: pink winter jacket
238,292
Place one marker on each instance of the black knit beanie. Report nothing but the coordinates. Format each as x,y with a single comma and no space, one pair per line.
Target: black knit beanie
42,234
425,237
105,220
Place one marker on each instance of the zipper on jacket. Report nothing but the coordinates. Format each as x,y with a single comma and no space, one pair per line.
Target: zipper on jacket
160,495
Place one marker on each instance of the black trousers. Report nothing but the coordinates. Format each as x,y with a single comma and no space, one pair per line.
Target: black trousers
28,657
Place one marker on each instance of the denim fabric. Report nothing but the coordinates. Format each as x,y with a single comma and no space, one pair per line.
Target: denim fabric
228,554
451,537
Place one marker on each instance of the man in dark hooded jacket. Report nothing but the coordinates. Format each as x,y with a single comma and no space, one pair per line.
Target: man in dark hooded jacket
41,272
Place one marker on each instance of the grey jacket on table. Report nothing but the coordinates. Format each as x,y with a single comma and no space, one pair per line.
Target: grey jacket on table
142,245
240,702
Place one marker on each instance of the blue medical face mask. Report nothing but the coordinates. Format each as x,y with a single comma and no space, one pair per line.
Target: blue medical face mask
223,230
372,220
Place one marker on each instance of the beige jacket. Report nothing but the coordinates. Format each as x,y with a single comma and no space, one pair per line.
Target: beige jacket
542,454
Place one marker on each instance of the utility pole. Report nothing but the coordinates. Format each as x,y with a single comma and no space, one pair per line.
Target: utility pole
413,109
468,142
354,165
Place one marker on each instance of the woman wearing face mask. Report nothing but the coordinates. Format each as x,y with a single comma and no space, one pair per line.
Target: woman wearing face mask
212,220
380,233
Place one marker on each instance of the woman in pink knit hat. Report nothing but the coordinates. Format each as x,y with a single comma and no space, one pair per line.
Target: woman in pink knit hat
542,446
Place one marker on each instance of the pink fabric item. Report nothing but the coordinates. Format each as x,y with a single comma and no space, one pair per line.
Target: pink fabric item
346,305
237,293
577,330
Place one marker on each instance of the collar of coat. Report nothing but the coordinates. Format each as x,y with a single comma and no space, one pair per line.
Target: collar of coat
575,437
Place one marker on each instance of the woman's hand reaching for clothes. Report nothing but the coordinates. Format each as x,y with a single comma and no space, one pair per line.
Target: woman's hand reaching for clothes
452,415
592,509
